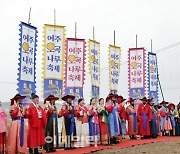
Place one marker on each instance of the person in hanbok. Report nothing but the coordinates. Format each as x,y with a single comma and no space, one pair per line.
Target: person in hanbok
157,118
144,116
51,130
132,119
103,122
17,135
122,114
178,120
172,114
94,131
153,124
69,128
3,130
113,118
165,119
37,120
82,125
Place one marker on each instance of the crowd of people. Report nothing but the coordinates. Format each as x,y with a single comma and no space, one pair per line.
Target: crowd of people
105,122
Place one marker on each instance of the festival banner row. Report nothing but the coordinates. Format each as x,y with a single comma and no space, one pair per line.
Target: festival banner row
137,74
64,65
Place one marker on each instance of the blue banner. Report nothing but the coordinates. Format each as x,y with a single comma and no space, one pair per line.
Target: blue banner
153,77
27,60
95,92
53,87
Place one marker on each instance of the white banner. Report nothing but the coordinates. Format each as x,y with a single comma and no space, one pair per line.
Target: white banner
114,66
153,72
75,63
136,61
94,48
54,40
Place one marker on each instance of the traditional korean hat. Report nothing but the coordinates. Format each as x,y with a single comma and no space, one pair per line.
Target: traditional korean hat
159,106
130,100
164,102
109,97
150,100
16,97
68,96
120,99
171,105
178,107
33,96
115,95
143,99
50,97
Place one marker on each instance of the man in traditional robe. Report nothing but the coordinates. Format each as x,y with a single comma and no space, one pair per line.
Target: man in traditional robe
153,124
144,116
113,118
69,121
37,121
132,119
165,119
51,130
122,114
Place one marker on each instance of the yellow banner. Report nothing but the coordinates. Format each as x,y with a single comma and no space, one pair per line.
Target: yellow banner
114,56
94,66
53,59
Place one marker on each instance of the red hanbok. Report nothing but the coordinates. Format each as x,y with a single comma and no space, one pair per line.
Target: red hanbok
36,125
144,116
3,129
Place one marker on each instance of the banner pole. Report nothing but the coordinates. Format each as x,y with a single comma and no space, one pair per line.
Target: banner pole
29,16
136,40
151,46
75,30
160,88
93,34
158,77
114,37
54,16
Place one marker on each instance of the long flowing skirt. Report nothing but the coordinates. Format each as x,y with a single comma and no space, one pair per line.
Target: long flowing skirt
82,134
114,125
123,126
2,142
153,127
14,138
168,125
132,125
103,130
178,127
94,132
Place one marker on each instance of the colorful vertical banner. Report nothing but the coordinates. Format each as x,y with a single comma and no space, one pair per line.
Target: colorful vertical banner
53,60
94,67
75,62
153,77
27,61
114,67
136,72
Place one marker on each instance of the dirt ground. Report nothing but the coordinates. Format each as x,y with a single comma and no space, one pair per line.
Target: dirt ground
170,147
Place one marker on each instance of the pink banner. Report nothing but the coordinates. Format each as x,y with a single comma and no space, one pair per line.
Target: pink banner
136,73
75,62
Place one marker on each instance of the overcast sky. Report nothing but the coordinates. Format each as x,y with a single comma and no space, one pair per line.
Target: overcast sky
158,20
